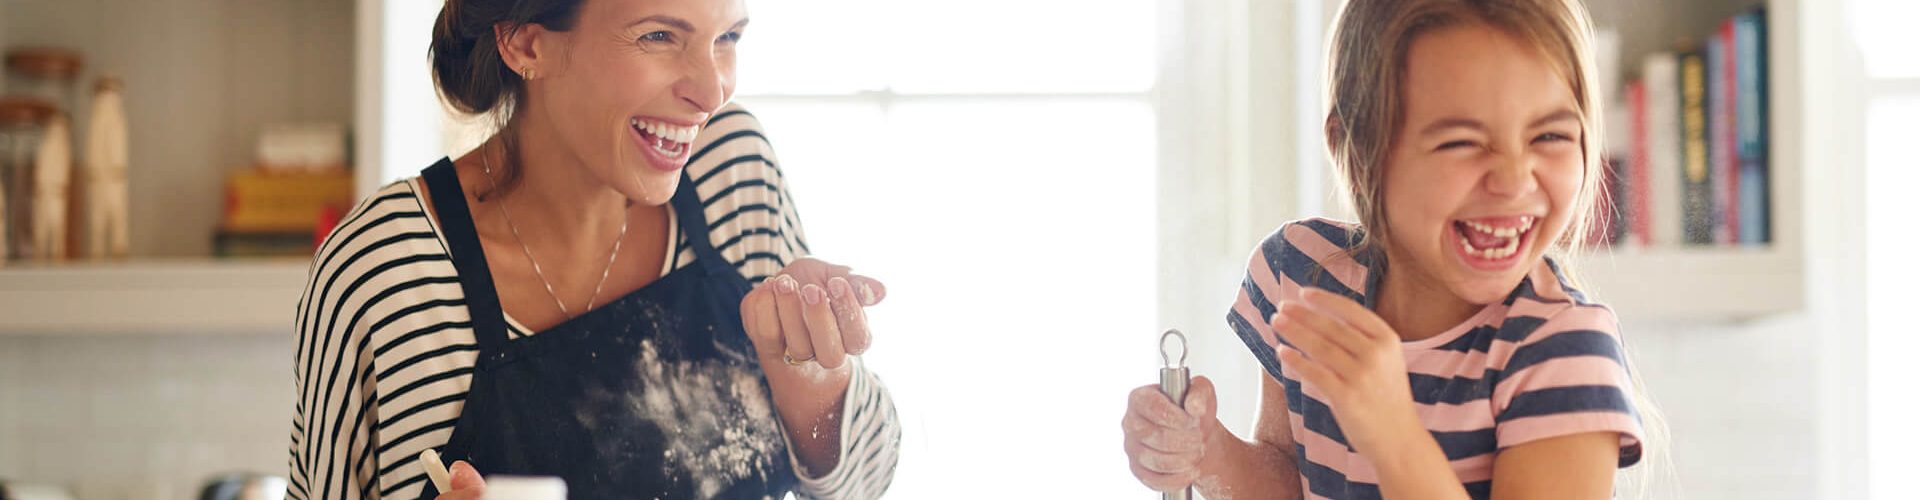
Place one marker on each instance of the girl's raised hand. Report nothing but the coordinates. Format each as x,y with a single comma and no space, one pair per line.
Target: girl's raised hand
1352,355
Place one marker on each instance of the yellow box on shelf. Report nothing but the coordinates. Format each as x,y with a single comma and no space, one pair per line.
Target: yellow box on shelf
261,200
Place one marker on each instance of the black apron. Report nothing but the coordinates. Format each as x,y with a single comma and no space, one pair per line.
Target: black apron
657,394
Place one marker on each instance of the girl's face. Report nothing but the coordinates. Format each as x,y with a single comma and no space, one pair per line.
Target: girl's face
1486,165
633,82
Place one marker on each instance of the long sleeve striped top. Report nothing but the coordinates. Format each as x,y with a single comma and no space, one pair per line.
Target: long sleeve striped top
1543,363
386,349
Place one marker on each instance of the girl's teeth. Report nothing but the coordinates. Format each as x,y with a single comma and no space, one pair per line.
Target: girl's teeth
1510,234
1501,252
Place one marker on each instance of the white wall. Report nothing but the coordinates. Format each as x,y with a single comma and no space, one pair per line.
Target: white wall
1739,406
3,43
143,417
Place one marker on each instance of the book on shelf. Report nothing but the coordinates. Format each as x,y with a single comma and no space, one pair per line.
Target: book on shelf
1751,109
1722,124
1697,196
1637,205
1659,132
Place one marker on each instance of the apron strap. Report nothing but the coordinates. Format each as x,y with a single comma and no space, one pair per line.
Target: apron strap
469,260
692,215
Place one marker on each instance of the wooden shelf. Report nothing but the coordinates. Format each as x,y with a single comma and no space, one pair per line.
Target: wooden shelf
152,296
1697,284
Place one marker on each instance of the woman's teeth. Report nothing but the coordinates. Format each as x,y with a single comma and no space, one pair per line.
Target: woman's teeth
1493,243
668,139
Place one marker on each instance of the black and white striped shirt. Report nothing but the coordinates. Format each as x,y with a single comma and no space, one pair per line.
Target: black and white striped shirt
386,350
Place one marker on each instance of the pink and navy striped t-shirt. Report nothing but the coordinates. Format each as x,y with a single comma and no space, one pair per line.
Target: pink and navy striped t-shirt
1542,363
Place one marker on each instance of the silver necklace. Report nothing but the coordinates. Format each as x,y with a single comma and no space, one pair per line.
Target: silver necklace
625,217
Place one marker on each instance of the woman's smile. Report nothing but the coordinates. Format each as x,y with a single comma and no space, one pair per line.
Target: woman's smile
663,142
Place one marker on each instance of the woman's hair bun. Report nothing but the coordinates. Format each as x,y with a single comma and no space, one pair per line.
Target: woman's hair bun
465,55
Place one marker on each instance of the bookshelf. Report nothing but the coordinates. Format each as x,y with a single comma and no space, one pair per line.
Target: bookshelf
1713,283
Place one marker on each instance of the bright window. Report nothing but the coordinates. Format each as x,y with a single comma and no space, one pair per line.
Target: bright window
1892,121
993,162
1884,30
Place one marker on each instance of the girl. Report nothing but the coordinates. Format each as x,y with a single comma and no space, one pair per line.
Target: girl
576,297
1433,350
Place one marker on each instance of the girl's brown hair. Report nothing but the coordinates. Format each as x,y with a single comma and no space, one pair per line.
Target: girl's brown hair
1366,66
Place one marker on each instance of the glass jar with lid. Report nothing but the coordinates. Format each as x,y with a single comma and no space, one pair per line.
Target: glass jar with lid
23,126
49,74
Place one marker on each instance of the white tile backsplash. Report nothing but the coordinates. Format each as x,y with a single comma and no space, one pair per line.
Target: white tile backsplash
1738,403
139,417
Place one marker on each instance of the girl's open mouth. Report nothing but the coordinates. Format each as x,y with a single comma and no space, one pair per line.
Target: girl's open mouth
1492,243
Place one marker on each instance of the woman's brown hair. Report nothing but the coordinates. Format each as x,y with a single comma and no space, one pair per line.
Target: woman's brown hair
467,66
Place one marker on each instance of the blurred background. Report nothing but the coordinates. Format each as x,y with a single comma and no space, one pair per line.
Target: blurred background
1044,184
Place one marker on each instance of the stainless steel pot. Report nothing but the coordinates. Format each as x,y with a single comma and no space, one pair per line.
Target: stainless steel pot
244,486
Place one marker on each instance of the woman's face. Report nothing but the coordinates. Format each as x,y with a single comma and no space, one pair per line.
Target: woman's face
633,82
1485,168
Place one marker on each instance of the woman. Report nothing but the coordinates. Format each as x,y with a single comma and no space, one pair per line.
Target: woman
576,297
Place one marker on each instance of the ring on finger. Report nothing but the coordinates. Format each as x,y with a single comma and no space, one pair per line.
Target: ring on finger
794,362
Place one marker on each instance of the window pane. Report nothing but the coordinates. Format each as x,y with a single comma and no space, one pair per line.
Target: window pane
945,47
1884,31
413,122
1892,123
813,47
1017,240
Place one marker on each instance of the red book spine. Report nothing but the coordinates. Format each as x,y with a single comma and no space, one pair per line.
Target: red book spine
1639,194
1727,140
